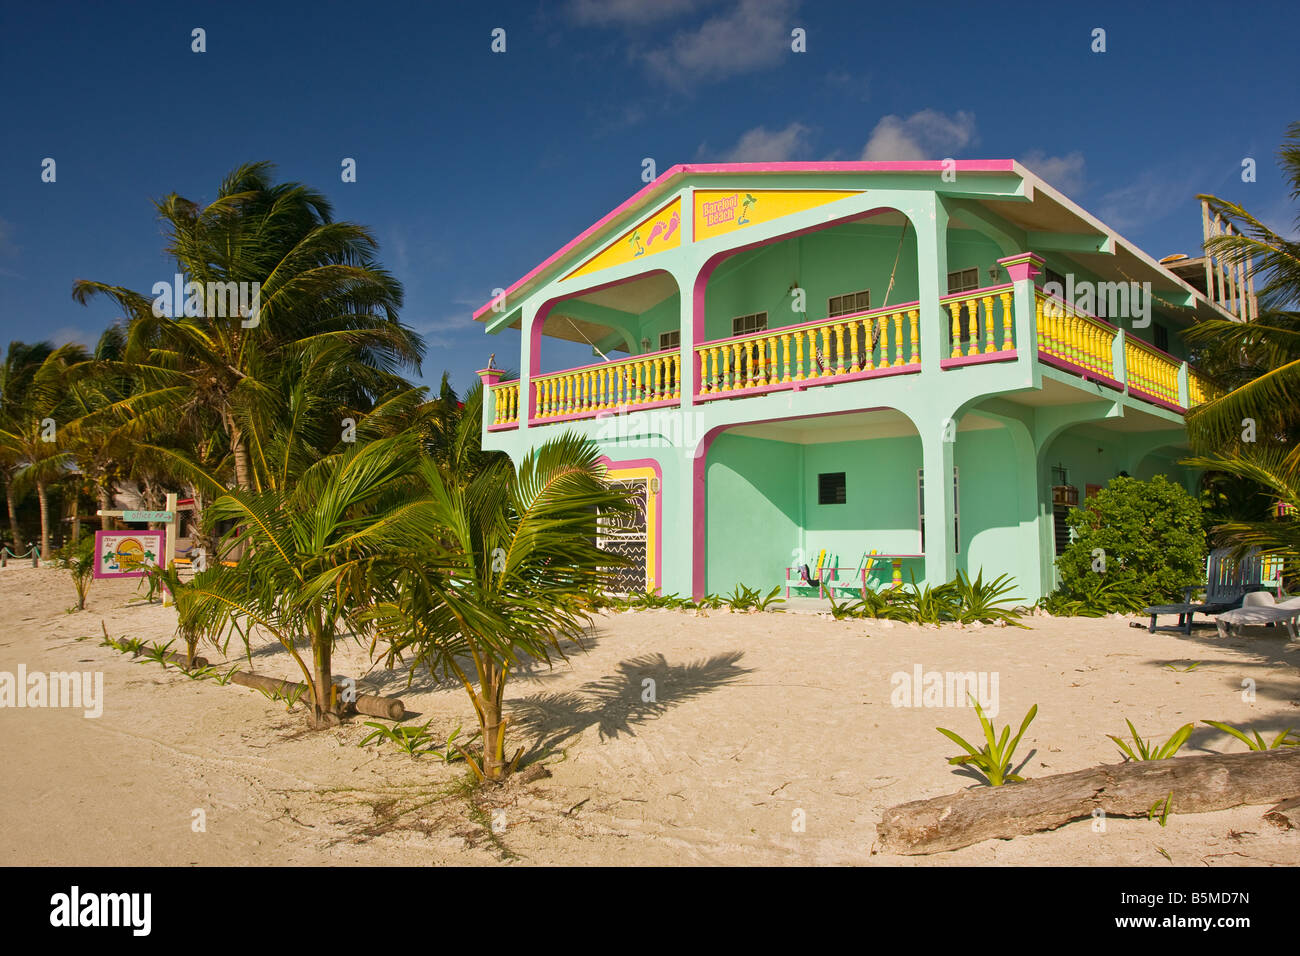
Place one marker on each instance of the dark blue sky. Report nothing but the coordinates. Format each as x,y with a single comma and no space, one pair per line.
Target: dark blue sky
472,166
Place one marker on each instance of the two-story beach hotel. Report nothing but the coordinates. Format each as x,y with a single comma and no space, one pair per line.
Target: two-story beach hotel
913,367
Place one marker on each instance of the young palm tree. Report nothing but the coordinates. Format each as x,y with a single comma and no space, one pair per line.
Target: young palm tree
1256,363
303,577
30,436
319,283
497,572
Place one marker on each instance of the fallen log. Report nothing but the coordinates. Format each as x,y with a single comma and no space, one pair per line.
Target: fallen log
1198,784
390,708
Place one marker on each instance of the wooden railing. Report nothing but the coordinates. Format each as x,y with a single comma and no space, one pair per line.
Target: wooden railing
882,341
1070,337
971,335
505,403
630,383
1150,370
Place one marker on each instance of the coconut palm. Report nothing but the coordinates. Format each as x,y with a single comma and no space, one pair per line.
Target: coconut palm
319,284
30,438
1256,364
16,373
497,574
303,579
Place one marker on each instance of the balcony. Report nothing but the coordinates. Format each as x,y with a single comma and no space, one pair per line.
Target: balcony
877,343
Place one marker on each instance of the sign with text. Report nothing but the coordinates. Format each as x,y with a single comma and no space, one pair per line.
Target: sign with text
127,554
149,517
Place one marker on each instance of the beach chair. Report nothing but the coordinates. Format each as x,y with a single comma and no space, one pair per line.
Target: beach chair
1259,608
1227,582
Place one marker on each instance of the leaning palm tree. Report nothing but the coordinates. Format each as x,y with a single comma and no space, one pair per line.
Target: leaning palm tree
30,436
16,373
302,578
1255,364
318,281
498,572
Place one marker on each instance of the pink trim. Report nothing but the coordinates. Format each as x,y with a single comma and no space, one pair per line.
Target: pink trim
1022,266
802,384
1154,399
644,195
597,412
1086,373
490,376
503,427
659,506
583,368
977,293
1002,356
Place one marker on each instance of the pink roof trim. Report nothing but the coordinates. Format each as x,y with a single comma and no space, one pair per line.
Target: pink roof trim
648,191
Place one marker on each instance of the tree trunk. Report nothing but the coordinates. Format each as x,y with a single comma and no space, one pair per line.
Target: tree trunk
105,504
325,713
13,514
493,687
239,449
1198,785
43,494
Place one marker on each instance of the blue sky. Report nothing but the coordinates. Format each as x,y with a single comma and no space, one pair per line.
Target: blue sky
472,166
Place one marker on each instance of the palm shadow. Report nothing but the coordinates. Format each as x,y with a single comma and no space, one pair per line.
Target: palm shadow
641,689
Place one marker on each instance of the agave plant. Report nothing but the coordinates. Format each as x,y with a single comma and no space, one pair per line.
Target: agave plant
984,602
995,758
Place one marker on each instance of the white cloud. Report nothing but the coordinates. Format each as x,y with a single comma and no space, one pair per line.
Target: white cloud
761,145
1063,172
927,134
751,36
602,13
1150,197
67,335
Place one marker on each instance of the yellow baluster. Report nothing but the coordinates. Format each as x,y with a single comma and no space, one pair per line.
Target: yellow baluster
989,345
760,368
1007,341
785,348
839,348
898,339
884,342
677,375
955,307
973,326
854,366
826,351
798,356
724,383
914,319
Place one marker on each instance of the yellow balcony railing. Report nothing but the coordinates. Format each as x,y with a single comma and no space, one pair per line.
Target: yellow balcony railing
505,403
980,322
1199,389
1070,337
879,341
641,380
1150,370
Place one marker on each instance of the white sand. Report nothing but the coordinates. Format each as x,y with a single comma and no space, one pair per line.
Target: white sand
757,717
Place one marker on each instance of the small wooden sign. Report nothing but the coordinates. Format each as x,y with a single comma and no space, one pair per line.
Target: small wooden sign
127,554
149,517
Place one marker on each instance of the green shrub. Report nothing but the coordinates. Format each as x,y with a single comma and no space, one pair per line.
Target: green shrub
1135,543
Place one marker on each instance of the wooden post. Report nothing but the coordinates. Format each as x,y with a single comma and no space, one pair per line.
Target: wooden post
1205,234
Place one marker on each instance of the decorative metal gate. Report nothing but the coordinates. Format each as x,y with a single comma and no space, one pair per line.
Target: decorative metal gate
627,538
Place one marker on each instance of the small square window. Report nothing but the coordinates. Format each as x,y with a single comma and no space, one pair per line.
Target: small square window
831,489
963,280
848,304
670,340
744,324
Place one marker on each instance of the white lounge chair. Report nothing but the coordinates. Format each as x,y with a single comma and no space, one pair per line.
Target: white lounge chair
1259,608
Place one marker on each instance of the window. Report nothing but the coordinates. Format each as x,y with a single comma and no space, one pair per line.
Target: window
1161,337
848,303
963,281
744,324
670,340
1061,527
956,509
831,489
1050,276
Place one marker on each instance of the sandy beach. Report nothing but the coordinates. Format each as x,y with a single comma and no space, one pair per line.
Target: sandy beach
755,723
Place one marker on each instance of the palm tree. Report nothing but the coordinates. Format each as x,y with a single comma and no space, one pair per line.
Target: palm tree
16,374
498,572
319,284
304,578
1257,363
31,441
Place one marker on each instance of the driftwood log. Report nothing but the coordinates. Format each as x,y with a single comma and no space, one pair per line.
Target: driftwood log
1198,784
389,708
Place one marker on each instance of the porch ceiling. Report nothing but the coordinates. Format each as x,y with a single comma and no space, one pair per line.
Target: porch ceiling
853,426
